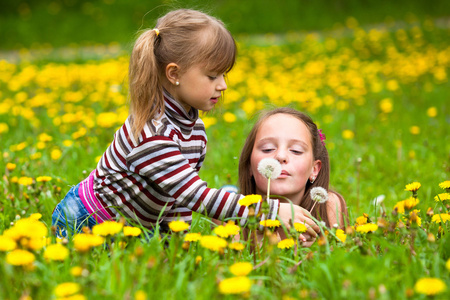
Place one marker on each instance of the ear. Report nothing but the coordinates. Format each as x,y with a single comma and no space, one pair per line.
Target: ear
316,168
173,72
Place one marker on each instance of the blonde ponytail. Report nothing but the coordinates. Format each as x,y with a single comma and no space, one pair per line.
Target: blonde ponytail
146,91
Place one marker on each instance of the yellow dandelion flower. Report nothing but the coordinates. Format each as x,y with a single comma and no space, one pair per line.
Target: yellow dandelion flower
229,117
76,271
198,259
438,218
67,289
10,166
35,156
300,227
36,216
37,243
213,242
392,85
20,257
225,231
241,268
236,246
7,243
27,227
270,223
250,199
56,252
432,112
445,185
410,203
235,285
192,237
107,228
430,286
43,137
447,264
67,143
56,154
232,228
25,181
400,207
414,130
177,226
348,134
43,178
84,242
4,128
140,295
414,217
413,187
365,228
286,244
361,220
341,235
386,105
131,231
442,197
107,119
209,121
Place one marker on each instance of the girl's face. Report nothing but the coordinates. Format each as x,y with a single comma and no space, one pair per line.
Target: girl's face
288,140
199,88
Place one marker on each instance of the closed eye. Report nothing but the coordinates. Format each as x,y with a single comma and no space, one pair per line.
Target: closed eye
267,150
212,77
297,152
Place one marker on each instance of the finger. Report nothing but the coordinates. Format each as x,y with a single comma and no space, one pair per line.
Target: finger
302,238
311,231
307,243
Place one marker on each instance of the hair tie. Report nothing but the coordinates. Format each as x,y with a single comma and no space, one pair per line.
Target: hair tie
322,136
156,31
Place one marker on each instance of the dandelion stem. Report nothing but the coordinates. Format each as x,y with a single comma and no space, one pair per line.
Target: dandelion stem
310,211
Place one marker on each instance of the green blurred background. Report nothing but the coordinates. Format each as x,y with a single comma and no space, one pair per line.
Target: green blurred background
37,23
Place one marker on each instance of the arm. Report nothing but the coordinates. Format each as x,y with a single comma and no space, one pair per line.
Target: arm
336,210
159,160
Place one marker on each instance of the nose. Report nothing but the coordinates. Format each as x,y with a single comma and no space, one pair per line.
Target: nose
222,85
281,156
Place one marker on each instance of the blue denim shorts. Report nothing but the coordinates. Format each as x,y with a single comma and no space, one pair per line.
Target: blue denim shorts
71,215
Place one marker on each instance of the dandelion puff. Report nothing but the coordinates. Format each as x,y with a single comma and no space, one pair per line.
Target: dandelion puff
270,168
319,194
378,200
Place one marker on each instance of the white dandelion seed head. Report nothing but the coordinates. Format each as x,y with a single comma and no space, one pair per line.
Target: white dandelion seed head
378,200
270,168
319,194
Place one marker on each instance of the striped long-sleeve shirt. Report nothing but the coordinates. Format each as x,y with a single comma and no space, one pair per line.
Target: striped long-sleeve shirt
155,178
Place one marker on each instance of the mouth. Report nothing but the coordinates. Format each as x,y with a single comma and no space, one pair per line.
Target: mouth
284,174
214,100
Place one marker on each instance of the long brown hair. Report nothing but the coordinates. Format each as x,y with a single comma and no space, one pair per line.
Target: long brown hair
185,37
247,183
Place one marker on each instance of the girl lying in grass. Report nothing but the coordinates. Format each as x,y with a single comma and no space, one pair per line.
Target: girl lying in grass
292,138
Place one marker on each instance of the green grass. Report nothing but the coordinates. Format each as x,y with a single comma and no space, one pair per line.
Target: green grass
61,22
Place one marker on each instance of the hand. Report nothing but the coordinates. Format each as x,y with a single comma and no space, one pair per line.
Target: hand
301,215
309,240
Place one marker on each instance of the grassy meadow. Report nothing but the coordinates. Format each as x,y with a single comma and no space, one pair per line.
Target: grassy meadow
381,96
